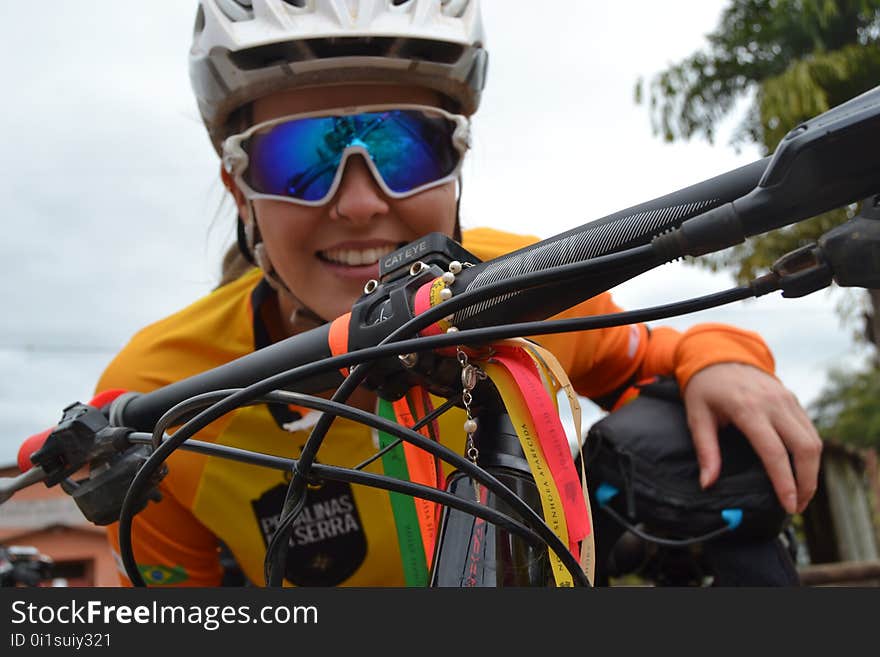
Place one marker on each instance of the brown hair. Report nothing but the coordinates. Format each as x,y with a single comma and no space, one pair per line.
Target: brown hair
233,266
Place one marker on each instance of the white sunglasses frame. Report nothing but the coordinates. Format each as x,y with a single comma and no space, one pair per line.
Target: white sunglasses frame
236,160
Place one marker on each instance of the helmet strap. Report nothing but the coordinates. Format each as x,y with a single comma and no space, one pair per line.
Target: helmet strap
456,231
241,239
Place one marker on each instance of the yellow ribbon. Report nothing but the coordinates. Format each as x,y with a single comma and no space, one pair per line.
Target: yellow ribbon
551,503
555,379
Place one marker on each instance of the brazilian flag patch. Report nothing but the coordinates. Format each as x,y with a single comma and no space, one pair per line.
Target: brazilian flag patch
163,575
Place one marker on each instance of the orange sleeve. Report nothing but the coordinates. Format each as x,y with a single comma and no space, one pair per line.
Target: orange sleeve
703,345
603,363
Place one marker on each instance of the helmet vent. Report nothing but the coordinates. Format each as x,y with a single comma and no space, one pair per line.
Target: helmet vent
274,54
243,10
236,10
455,8
200,21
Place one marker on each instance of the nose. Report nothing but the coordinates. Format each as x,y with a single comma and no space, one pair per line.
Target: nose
359,198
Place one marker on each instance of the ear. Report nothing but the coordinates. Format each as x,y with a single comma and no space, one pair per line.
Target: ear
237,195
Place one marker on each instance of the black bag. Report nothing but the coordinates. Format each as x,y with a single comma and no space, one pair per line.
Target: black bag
642,468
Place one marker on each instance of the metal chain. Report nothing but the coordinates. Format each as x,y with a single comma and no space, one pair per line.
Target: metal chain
470,376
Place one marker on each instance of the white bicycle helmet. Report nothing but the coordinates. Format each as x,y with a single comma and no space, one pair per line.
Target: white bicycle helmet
244,49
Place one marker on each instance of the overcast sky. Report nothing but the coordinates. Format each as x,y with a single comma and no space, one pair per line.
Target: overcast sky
114,212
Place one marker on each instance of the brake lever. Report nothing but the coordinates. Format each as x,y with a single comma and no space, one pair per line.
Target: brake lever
85,437
853,248
11,485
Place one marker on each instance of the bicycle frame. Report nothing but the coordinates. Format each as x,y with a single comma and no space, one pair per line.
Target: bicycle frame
473,553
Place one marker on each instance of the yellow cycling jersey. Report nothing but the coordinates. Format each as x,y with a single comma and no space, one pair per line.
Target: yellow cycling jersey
345,534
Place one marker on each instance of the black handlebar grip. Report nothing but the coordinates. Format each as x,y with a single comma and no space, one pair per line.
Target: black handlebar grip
628,228
143,411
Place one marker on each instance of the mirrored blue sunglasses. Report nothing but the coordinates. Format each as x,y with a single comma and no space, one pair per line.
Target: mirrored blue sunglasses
300,158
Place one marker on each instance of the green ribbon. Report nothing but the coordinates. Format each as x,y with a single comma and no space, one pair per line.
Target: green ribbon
409,534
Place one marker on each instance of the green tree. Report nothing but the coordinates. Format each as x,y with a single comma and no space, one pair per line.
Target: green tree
786,61
848,409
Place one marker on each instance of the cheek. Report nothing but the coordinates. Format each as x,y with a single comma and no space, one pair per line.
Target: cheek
280,219
431,211
285,228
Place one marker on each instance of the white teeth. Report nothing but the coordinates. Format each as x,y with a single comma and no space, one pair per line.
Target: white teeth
356,257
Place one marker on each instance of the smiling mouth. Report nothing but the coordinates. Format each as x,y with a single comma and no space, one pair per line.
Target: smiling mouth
356,257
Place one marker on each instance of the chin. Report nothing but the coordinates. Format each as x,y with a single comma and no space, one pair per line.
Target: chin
331,313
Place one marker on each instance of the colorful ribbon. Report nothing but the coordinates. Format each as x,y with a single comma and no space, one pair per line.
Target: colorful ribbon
406,520
529,379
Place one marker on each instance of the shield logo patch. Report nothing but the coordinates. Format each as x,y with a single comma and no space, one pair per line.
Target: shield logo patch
328,543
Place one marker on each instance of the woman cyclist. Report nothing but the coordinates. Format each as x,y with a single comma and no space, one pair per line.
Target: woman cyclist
276,83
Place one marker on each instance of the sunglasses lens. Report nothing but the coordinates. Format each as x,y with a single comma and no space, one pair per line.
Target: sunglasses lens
411,149
293,159
300,158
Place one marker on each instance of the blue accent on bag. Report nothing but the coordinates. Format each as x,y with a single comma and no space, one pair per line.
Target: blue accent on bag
733,517
605,492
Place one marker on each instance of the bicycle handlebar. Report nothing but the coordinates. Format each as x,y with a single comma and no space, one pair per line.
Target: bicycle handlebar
142,412
621,230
